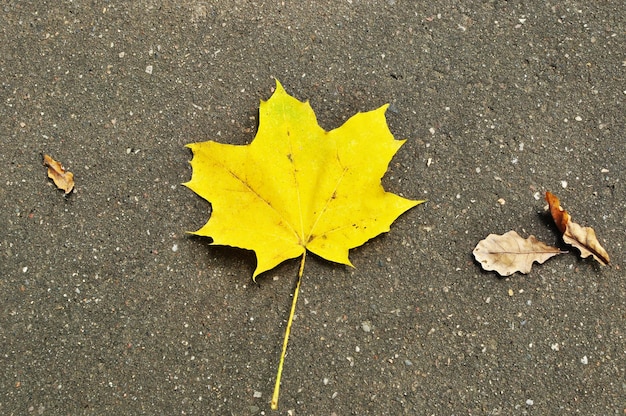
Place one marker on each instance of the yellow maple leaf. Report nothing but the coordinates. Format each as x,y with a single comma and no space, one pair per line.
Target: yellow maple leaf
297,187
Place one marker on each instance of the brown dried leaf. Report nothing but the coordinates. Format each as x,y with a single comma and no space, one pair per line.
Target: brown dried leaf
62,179
583,238
510,253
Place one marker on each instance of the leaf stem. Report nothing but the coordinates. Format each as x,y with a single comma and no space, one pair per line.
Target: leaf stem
274,404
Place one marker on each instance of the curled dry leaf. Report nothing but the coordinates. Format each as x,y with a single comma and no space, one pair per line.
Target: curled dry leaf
509,253
62,179
583,238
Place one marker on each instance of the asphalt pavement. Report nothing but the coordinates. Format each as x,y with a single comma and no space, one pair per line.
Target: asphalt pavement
109,307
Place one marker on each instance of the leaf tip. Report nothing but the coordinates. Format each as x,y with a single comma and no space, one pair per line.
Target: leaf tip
559,215
279,90
257,272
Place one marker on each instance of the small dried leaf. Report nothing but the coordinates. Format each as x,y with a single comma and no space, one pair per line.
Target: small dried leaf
510,253
583,238
62,179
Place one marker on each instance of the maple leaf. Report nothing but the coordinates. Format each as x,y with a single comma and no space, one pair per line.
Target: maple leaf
298,188
583,238
509,253
63,179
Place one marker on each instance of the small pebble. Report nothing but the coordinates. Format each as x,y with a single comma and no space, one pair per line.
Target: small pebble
366,326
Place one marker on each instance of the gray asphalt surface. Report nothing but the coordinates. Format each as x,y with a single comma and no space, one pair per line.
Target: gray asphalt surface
108,307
